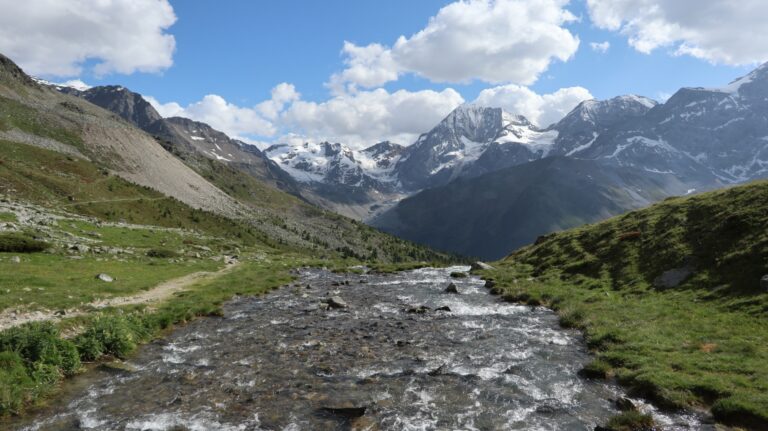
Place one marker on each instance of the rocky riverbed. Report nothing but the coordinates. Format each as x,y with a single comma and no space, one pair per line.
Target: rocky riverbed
341,351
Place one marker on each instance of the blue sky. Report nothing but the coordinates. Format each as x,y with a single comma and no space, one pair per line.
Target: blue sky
241,49
219,62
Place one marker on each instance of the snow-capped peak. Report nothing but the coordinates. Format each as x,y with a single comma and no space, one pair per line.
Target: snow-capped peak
735,85
336,163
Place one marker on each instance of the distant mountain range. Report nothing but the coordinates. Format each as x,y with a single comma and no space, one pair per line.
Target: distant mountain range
623,153
602,159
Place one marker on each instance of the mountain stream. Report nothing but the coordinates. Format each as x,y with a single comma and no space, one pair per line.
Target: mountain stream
402,355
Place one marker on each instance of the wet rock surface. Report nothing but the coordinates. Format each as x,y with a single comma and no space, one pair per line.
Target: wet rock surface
282,362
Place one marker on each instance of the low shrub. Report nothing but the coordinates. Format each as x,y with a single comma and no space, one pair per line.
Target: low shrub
39,344
162,253
111,335
17,243
16,386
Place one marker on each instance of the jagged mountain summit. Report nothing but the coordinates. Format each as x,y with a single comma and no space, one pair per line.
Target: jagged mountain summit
712,136
355,183
450,149
472,140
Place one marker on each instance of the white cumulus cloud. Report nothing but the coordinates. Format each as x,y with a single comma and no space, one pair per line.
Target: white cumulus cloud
540,109
56,37
238,122
602,47
367,117
489,40
719,31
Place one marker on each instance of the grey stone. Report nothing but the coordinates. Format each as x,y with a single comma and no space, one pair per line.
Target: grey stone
625,404
452,289
673,277
336,302
476,266
105,278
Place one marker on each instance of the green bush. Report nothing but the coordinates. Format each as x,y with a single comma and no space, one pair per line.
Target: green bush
17,243
15,384
111,335
162,253
39,344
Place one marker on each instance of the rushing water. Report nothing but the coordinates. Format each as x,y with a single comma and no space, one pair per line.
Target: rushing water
284,362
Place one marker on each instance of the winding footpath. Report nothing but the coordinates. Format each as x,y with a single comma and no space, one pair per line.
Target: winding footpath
159,293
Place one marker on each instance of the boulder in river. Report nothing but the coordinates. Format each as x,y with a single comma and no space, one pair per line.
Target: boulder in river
452,289
105,278
345,412
625,405
443,308
336,302
764,283
419,310
477,266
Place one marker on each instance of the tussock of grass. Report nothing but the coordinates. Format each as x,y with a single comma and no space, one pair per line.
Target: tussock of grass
162,253
702,343
631,421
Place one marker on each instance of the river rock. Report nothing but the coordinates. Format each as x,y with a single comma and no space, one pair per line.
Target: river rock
764,282
625,404
345,412
452,289
443,308
477,266
105,278
336,302
419,310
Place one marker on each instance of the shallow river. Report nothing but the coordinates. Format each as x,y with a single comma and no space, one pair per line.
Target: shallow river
285,362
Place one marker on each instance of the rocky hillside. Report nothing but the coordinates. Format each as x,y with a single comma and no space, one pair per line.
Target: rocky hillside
59,149
189,140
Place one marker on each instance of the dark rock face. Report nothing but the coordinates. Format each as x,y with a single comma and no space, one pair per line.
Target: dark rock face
12,72
123,102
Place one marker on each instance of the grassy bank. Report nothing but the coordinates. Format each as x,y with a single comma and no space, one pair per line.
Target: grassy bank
34,358
702,343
